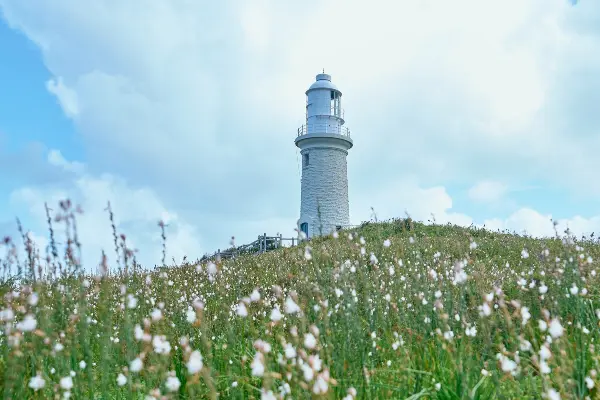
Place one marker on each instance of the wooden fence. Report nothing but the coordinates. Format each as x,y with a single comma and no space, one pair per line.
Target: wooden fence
262,244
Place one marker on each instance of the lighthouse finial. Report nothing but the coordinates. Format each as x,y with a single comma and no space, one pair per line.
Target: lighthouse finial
323,70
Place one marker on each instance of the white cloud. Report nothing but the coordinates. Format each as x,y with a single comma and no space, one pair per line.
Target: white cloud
533,223
66,96
487,191
407,197
136,211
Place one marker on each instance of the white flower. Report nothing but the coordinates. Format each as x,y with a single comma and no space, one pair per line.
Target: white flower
556,330
276,314
507,364
524,254
310,342
28,324
542,325
241,310
290,351
136,365
195,363
190,316
82,364
574,290
121,380
525,315
472,331
7,315
255,296
131,301
485,310
33,299
161,344
290,306
589,383
543,289
172,384
258,364
156,314
37,382
267,395
320,386
387,243
552,394
66,383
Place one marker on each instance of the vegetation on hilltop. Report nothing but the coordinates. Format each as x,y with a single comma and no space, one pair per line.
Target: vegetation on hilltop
388,310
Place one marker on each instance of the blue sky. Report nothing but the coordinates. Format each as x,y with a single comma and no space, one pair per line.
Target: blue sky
187,112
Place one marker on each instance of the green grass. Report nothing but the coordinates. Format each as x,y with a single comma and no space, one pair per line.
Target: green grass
385,333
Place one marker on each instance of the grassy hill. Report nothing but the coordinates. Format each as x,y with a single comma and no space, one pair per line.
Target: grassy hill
391,310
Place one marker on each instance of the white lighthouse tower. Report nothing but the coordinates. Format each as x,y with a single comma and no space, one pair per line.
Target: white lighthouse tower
324,142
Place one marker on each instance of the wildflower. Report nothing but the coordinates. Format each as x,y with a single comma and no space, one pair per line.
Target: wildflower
66,383
161,344
37,382
471,331
589,383
267,395
552,394
485,310
33,299
387,243
254,296
525,315
131,301
28,324
289,350
121,380
307,253
172,384
276,314
194,363
156,314
310,342
190,316
507,364
241,310
262,346
321,386
290,306
574,290
82,364
258,364
556,330
543,289
524,253
136,365
7,315
542,325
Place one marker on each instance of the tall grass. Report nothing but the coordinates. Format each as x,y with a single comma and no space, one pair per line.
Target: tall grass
393,309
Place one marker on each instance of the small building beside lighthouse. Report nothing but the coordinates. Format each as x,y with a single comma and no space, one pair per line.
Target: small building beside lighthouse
324,142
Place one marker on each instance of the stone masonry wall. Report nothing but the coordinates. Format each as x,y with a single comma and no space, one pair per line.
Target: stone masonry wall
324,184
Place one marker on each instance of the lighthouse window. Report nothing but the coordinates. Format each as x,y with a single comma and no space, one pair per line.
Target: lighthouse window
305,160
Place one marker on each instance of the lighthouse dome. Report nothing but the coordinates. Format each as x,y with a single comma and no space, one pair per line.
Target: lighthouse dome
323,82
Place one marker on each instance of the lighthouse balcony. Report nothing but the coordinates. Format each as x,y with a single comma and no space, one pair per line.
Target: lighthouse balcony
323,128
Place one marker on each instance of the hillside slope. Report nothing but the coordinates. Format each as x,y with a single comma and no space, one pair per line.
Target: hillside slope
390,310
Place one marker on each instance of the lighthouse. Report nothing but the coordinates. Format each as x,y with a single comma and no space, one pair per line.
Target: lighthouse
324,142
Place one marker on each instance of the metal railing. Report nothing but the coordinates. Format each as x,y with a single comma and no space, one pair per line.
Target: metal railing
323,128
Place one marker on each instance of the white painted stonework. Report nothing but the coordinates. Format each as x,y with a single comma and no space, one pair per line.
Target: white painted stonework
324,142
